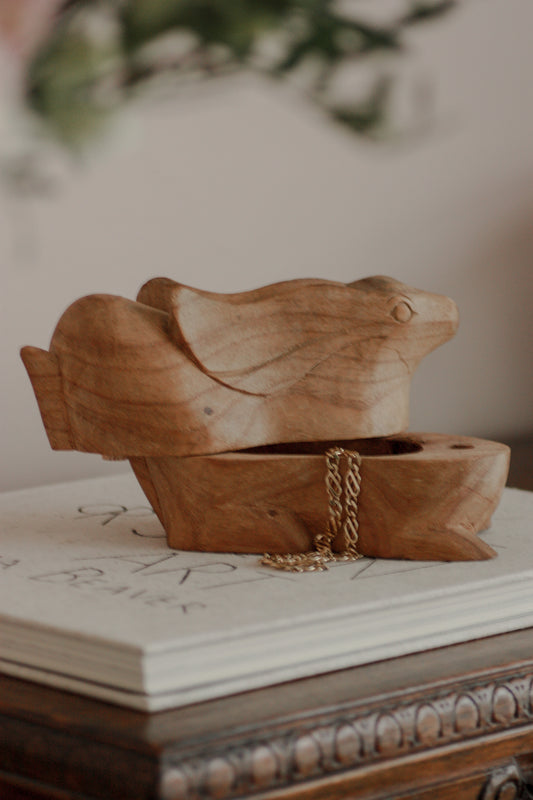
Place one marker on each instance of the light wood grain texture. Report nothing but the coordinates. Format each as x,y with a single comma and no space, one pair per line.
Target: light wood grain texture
183,372
187,372
423,496
43,369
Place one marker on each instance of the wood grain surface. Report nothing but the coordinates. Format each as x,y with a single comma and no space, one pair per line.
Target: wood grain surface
454,723
423,496
184,372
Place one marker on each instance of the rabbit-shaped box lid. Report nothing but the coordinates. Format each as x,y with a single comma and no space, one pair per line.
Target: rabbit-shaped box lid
183,372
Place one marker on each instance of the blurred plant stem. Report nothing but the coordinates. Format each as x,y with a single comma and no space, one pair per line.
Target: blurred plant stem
99,53
66,66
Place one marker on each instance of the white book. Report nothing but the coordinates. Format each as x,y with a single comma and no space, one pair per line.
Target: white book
92,600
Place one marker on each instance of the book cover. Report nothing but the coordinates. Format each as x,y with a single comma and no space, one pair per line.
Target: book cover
92,600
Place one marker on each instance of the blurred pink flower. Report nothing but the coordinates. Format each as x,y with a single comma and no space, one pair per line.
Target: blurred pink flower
24,24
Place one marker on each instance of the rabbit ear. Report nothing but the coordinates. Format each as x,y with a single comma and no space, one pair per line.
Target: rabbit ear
158,293
257,342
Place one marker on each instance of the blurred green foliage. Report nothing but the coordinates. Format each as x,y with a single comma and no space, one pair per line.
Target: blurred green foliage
100,52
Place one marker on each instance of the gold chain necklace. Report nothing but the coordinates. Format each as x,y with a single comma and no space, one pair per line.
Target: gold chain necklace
317,560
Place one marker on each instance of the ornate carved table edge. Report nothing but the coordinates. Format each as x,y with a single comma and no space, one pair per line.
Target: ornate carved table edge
507,780
422,736
441,724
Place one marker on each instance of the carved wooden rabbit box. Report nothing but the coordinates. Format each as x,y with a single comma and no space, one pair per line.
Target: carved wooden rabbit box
273,419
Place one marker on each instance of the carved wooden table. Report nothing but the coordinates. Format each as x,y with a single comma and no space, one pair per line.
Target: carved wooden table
455,723
451,723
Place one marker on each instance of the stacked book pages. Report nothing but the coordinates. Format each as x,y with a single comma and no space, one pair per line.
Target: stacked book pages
92,600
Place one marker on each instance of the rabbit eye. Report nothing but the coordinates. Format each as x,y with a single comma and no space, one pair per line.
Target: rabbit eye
402,312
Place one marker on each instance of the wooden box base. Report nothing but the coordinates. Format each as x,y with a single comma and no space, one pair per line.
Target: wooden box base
423,496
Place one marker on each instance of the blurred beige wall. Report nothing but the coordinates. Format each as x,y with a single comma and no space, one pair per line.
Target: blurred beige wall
241,184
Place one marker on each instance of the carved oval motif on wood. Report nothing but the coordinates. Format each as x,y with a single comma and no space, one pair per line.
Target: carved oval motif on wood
348,745
466,714
504,706
264,766
388,735
220,778
531,696
174,785
520,690
428,725
307,756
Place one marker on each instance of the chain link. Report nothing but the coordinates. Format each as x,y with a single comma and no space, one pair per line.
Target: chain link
342,516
